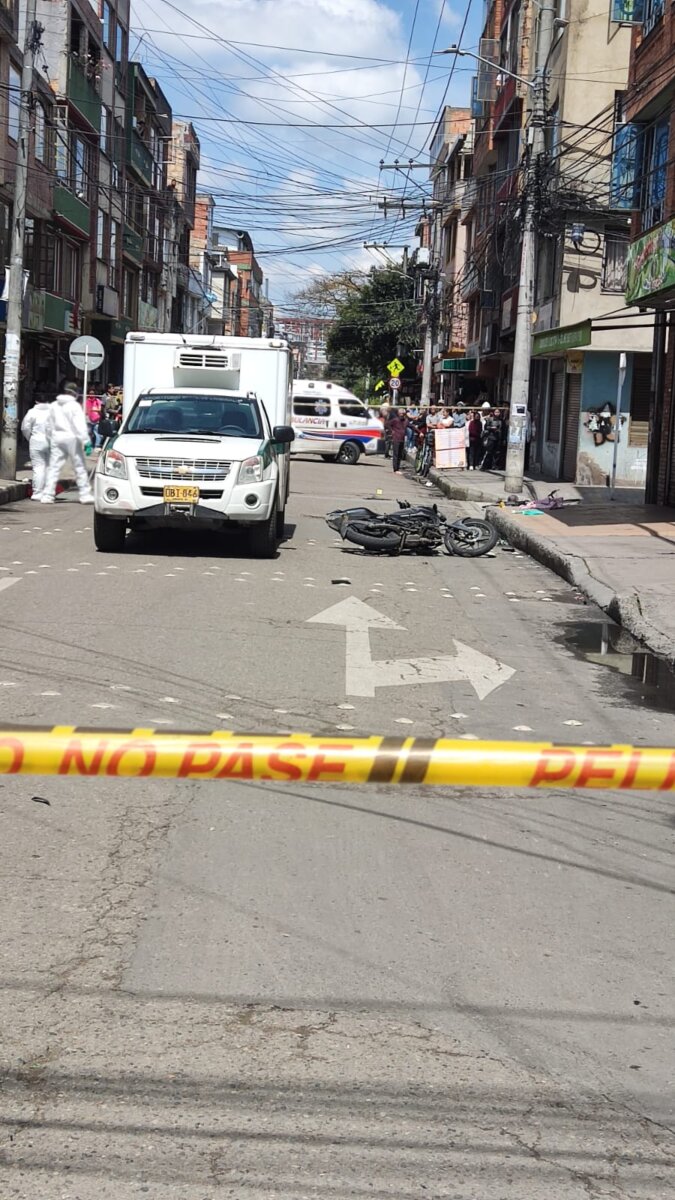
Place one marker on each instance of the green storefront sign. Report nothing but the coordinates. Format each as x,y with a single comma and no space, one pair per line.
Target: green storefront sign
651,264
459,364
558,341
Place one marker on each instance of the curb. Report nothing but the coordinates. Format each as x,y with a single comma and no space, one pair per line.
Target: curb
12,491
623,607
455,491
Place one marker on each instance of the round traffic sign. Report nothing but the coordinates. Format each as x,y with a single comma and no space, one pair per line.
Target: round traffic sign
395,383
86,352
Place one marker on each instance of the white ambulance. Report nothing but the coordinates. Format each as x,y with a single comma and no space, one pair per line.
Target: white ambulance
332,422
204,443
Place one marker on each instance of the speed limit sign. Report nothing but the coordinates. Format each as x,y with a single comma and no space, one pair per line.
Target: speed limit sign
394,383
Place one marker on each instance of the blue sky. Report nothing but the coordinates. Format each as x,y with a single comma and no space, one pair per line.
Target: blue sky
296,102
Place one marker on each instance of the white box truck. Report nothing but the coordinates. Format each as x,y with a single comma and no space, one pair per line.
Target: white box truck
204,442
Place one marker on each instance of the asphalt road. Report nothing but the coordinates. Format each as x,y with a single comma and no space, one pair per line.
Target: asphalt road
270,991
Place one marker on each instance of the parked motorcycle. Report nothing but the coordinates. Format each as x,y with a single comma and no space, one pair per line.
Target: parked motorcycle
419,528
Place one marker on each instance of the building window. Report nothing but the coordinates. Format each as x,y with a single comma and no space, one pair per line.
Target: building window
120,47
653,12
614,257
654,172
129,293
102,235
114,243
79,178
14,105
105,130
107,18
70,274
40,134
149,289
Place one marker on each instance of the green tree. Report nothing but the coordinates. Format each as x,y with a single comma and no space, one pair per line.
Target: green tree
374,322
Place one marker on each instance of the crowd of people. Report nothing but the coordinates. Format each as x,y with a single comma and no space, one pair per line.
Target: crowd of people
485,432
60,430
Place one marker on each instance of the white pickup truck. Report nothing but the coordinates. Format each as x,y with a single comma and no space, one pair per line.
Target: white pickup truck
204,442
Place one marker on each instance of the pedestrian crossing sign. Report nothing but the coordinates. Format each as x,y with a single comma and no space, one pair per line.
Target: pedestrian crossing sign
395,367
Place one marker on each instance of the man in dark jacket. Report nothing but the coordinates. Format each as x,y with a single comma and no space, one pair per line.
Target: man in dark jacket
397,425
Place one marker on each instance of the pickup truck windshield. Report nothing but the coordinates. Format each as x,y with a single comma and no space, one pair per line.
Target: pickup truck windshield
217,416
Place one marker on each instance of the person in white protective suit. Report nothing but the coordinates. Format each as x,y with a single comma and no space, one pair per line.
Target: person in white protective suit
68,435
35,429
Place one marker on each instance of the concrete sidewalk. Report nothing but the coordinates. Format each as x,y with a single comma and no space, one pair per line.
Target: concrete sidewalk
620,553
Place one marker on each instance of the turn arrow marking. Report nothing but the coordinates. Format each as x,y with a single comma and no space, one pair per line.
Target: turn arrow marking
363,675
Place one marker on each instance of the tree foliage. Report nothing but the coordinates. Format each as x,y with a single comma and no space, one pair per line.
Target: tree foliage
374,321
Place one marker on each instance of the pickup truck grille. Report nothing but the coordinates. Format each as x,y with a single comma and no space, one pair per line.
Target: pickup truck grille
183,470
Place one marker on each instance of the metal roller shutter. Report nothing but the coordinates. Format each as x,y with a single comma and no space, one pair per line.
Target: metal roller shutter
572,413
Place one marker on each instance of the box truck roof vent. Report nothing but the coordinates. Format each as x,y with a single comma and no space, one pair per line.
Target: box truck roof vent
211,359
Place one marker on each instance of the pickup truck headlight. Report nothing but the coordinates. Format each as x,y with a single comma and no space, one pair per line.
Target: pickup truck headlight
114,464
251,470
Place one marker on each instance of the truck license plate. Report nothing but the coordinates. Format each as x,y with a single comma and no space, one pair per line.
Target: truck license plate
182,494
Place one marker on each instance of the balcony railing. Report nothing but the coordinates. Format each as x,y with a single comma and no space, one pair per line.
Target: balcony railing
470,280
139,158
83,95
71,209
133,244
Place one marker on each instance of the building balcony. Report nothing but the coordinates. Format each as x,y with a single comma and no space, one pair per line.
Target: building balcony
133,245
471,280
139,159
60,315
83,95
72,210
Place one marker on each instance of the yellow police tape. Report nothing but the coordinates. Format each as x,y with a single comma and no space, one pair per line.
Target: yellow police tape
300,758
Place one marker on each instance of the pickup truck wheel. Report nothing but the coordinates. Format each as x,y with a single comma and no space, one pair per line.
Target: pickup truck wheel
263,538
281,523
109,535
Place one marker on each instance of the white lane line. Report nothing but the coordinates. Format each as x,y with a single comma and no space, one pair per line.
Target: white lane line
5,583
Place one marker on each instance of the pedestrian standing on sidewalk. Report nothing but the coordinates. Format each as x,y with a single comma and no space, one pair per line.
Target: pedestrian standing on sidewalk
475,449
106,428
68,439
34,428
397,425
93,409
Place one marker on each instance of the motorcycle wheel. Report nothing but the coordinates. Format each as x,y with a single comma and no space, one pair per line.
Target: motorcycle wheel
367,536
479,538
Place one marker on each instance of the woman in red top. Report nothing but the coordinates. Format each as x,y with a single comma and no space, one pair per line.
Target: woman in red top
475,447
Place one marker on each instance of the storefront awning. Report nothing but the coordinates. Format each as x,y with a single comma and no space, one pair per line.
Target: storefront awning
559,341
458,364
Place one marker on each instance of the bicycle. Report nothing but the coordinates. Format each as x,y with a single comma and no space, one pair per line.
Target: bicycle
425,455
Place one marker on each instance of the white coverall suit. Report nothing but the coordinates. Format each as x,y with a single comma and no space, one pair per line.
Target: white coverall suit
34,428
68,434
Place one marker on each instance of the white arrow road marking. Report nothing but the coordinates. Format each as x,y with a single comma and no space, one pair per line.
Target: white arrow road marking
5,583
363,675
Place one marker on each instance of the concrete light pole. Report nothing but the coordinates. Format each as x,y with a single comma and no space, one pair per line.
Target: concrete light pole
10,396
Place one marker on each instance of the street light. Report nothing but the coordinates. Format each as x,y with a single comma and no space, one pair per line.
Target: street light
488,62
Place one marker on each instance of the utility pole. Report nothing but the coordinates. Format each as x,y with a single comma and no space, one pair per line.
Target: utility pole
522,351
10,396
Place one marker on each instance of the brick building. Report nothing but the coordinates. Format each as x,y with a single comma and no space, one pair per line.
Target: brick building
650,175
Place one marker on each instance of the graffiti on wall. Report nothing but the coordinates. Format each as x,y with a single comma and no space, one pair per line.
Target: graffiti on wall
601,423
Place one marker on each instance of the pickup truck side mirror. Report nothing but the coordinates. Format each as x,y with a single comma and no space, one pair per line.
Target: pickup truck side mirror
283,435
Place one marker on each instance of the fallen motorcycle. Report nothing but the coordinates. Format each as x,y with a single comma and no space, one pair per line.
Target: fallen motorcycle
417,529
